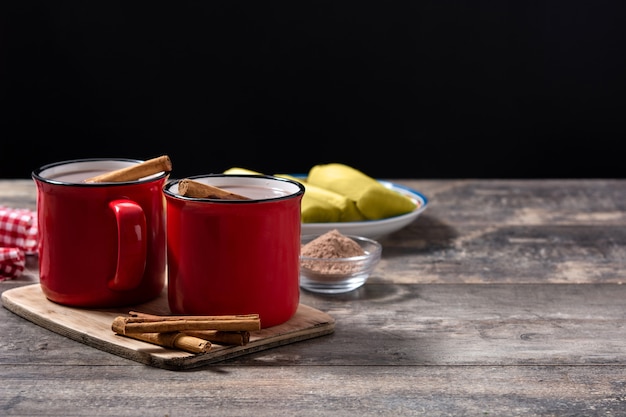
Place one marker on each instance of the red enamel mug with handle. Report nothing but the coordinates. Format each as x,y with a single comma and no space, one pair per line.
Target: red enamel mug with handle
100,244
235,256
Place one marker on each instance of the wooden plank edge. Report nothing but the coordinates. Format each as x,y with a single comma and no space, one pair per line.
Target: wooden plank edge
149,354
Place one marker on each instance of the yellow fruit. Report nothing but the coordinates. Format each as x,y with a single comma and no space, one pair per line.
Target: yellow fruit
237,170
314,210
320,205
339,193
373,200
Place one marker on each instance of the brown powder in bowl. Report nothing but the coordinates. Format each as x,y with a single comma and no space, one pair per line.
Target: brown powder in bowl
331,245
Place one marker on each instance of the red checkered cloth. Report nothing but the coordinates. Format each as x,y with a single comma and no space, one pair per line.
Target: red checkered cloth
18,238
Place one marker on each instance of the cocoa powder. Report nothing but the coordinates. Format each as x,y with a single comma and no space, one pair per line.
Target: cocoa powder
331,245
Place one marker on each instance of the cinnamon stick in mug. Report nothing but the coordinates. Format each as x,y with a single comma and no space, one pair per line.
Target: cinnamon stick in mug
135,172
190,188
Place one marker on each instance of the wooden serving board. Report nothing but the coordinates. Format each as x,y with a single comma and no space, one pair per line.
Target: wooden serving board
93,327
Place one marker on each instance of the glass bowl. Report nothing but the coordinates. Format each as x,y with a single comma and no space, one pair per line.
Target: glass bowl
338,275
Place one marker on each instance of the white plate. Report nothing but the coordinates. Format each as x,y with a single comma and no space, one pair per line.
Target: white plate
374,229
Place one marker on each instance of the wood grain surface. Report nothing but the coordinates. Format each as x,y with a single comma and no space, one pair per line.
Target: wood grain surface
504,298
93,327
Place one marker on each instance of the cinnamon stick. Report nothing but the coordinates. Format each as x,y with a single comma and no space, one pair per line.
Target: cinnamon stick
221,337
195,189
128,325
135,172
173,340
153,317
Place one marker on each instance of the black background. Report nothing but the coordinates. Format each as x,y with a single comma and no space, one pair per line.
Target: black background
421,89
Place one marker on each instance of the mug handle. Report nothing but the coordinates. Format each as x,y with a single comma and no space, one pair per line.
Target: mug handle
131,245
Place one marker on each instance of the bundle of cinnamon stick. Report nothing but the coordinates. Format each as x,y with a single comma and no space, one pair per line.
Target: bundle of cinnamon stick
194,334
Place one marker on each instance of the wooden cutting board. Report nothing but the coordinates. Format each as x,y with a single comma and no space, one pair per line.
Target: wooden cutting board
93,328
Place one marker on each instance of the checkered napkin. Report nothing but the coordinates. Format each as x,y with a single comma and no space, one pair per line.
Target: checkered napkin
18,238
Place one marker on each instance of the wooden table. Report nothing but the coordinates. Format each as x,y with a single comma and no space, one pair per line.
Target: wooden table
505,297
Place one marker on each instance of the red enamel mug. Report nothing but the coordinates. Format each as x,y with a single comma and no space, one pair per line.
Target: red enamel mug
235,256
100,244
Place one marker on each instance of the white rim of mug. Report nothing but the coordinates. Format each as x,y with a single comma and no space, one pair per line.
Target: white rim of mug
172,182
36,174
